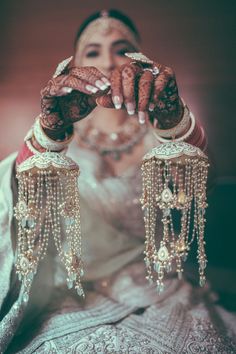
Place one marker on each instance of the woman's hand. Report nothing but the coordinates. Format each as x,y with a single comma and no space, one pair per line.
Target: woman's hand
138,87
69,97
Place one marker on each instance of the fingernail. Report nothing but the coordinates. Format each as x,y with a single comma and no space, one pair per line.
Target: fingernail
151,107
67,89
91,88
117,102
141,117
130,108
106,81
100,84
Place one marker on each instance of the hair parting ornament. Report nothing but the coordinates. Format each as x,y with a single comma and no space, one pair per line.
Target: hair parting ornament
104,25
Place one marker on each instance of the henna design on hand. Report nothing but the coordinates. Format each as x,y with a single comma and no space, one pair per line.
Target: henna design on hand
61,107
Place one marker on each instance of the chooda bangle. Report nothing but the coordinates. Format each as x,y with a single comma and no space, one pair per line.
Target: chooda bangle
179,129
46,142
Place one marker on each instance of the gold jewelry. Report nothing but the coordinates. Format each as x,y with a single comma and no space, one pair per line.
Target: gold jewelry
174,178
48,197
179,129
105,25
46,142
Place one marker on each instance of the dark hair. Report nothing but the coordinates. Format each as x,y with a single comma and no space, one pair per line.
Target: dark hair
111,13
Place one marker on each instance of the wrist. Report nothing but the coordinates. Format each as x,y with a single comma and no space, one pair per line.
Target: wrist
168,119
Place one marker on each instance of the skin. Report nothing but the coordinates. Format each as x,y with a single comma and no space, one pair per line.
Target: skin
103,77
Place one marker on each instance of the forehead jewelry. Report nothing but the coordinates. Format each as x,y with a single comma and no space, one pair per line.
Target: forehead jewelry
48,198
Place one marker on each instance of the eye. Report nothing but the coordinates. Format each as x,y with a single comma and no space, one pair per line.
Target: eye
122,51
92,54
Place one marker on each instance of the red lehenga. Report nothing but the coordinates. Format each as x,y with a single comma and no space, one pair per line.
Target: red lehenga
121,312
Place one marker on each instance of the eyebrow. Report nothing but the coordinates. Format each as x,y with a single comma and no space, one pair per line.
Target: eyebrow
119,41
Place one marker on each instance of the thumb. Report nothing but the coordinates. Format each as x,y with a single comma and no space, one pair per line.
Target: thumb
105,101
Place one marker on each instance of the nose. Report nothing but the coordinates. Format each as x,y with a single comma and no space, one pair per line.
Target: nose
108,63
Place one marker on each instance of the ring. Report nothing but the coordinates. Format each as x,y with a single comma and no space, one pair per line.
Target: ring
139,57
155,71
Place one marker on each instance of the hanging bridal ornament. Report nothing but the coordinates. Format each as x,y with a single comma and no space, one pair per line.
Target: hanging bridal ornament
174,184
48,198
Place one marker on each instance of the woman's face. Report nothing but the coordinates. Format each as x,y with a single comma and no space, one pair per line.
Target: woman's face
105,52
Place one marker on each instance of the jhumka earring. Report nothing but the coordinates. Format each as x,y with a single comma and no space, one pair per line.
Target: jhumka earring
48,198
174,184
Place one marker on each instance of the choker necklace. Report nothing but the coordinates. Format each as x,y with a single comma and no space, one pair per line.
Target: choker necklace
112,144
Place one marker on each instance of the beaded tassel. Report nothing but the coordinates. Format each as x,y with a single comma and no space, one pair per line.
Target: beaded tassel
48,198
174,181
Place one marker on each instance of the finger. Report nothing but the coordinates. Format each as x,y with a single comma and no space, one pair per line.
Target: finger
92,75
116,88
105,101
128,76
144,93
79,85
161,81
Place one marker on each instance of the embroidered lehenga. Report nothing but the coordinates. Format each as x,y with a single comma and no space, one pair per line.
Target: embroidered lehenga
121,312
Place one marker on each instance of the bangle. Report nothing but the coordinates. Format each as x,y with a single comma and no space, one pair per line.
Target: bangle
179,129
186,136
46,142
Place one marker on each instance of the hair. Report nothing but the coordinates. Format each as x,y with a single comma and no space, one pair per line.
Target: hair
111,13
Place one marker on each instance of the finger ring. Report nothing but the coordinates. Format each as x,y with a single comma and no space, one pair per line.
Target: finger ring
155,71
139,57
61,67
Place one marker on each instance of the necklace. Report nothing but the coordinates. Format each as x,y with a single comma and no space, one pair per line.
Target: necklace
112,144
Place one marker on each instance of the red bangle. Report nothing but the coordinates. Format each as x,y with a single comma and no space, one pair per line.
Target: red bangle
23,154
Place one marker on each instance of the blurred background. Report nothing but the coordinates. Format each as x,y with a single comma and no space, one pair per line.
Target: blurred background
196,38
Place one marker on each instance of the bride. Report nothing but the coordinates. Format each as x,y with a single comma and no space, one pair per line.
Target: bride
100,108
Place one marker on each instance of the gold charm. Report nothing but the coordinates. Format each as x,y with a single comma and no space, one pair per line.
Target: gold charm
181,198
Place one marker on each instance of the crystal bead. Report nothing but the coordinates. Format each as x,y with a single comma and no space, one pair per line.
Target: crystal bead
23,222
166,195
25,297
168,267
72,276
81,272
203,264
69,283
31,223
202,281
69,221
80,291
166,212
160,288
147,262
157,267
163,253
150,281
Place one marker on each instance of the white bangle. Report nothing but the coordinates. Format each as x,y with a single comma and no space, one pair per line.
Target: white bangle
45,141
181,138
179,129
